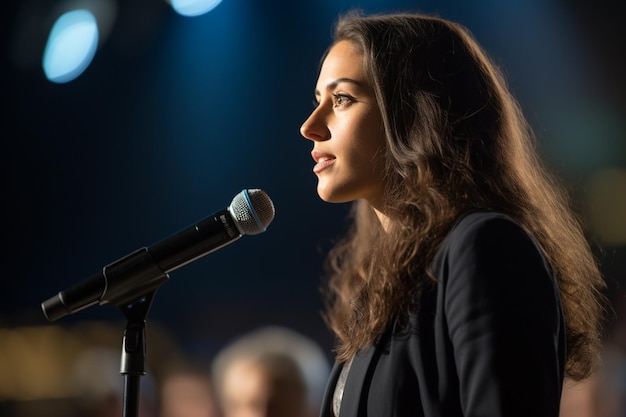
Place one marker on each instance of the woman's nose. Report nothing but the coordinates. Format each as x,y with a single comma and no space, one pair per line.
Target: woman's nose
314,127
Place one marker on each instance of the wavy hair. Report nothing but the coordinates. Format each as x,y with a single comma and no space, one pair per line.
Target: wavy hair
457,142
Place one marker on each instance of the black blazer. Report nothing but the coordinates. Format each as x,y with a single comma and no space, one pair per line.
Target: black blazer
488,340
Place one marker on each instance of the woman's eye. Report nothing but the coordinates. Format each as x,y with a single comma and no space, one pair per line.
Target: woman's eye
342,99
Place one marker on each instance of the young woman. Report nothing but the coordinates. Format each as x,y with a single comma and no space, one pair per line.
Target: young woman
464,286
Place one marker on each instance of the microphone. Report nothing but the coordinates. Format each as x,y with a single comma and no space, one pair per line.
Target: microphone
141,272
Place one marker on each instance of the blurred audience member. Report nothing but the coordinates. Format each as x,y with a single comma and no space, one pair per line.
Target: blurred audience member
271,372
270,385
187,392
604,393
99,386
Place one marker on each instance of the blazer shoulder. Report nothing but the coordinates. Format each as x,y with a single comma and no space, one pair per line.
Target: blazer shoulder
481,220
487,230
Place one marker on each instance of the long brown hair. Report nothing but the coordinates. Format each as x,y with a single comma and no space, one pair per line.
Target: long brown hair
457,142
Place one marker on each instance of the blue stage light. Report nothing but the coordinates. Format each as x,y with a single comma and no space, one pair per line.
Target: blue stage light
194,7
71,46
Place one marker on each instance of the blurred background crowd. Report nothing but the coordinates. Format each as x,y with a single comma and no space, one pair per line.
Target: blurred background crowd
171,116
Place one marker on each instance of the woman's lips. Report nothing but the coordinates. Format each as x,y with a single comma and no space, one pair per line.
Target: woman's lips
322,161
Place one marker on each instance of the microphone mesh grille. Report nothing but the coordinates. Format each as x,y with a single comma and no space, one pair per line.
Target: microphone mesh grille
252,217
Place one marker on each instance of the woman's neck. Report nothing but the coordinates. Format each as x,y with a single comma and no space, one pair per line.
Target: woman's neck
383,218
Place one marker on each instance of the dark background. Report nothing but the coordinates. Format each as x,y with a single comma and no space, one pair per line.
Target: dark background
175,115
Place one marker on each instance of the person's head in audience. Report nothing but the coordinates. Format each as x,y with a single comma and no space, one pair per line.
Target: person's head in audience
187,391
271,372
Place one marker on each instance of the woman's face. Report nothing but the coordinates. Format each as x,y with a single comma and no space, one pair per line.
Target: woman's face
346,130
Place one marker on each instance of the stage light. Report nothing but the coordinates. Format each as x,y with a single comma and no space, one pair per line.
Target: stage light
194,7
71,46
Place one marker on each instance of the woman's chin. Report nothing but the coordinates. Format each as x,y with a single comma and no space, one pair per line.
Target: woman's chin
331,196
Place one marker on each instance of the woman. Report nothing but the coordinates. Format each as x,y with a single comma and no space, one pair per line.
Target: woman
465,286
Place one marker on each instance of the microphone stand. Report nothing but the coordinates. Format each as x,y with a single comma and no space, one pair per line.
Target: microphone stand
134,351
134,301
129,284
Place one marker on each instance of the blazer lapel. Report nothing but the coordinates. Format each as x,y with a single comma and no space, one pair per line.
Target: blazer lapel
358,375
355,383
327,401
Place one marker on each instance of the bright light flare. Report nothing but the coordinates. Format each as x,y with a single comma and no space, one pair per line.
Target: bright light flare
194,7
71,46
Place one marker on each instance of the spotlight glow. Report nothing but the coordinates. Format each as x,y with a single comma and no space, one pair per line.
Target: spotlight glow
194,7
71,46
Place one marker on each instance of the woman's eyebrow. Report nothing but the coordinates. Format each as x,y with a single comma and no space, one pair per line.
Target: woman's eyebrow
333,84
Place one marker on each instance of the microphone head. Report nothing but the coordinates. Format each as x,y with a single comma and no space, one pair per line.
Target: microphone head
252,210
